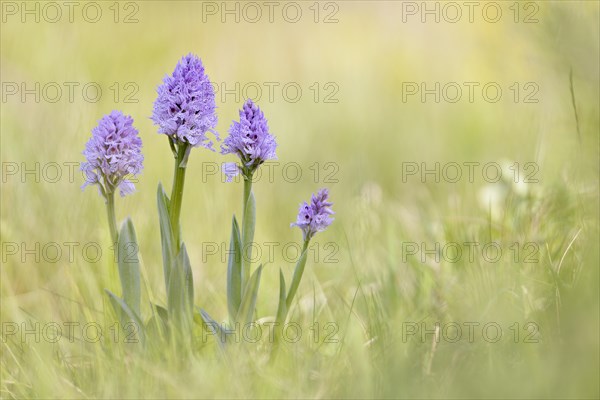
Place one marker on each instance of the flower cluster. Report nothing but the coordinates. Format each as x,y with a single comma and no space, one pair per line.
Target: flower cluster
314,217
185,112
250,140
185,107
113,152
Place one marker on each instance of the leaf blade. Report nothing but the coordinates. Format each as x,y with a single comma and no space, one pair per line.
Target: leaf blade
234,272
121,307
188,278
166,233
248,305
282,307
180,294
215,327
129,266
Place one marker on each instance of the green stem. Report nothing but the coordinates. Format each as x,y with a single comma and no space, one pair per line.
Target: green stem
177,193
112,220
247,191
297,277
245,262
281,317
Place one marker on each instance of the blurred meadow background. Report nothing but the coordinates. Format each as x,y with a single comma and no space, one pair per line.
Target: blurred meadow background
352,128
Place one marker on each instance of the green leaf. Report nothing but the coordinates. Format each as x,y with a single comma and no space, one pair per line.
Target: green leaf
282,307
157,325
216,328
129,266
234,272
183,261
166,234
247,237
281,310
162,313
123,311
180,293
172,145
186,155
245,313
298,271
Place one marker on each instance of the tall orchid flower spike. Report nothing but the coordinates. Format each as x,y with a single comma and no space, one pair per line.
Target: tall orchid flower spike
312,217
250,140
185,107
185,111
316,216
113,153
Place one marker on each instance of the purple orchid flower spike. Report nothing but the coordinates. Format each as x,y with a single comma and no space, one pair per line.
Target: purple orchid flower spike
250,140
314,217
185,107
113,153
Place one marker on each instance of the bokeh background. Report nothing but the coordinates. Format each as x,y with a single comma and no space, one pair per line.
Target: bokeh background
354,124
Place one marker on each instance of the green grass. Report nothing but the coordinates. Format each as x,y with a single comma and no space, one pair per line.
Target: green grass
373,292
